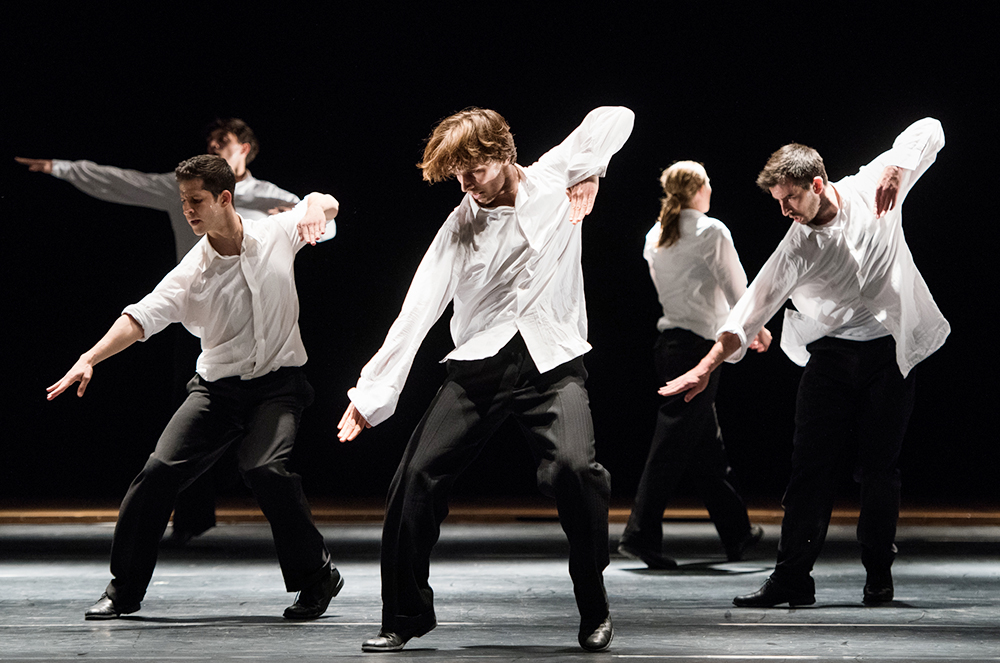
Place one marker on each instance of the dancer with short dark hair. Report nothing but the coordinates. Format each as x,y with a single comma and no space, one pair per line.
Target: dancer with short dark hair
236,291
865,318
234,140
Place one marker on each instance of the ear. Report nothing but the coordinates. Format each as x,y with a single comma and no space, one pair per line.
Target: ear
226,198
244,149
817,185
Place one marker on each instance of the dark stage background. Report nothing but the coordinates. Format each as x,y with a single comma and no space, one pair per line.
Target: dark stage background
341,100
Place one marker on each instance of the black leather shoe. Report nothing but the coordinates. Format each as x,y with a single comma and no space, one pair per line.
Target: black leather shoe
105,608
392,641
652,558
178,539
771,594
313,601
878,588
384,641
736,553
600,638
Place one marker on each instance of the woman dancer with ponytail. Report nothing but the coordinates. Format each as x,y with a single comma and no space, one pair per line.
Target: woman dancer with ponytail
698,277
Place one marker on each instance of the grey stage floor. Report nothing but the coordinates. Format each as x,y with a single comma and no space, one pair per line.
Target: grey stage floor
502,593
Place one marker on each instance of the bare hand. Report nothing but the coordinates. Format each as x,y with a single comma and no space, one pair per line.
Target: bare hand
762,341
887,189
279,209
351,424
581,198
81,372
36,165
312,226
693,382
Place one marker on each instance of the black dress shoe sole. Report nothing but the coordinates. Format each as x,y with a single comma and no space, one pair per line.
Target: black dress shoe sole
772,594
111,614
375,648
792,603
606,646
105,615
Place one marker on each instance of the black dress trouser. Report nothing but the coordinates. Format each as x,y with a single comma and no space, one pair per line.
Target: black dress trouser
853,406
553,410
194,509
687,439
260,416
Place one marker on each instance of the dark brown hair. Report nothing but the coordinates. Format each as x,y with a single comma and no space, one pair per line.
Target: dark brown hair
213,171
794,163
233,125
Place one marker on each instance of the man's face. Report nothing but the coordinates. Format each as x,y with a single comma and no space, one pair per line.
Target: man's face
202,210
227,146
798,204
483,182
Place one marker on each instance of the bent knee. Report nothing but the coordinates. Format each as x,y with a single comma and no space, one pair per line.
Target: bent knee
422,481
156,472
565,470
268,472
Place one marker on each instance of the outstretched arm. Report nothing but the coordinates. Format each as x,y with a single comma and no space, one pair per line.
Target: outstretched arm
36,165
581,198
123,333
114,185
695,380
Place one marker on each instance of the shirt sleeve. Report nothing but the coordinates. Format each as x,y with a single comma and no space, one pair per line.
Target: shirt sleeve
649,247
167,302
588,150
726,267
433,287
765,297
118,185
914,150
275,192
257,197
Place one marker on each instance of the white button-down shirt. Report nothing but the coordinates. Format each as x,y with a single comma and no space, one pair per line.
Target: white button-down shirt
854,277
508,270
245,308
699,277
252,200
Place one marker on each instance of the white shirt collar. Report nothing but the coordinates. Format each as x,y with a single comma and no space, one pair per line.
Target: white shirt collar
248,234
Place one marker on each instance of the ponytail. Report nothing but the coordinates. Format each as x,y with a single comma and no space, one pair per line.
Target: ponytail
680,182
670,213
